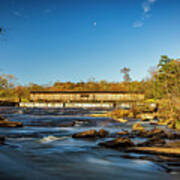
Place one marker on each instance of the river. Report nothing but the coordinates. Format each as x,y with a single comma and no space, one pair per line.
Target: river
44,148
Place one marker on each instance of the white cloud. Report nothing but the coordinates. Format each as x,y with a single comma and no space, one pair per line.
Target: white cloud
138,24
146,7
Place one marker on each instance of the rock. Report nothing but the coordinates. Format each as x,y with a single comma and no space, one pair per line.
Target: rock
86,134
6,123
123,133
103,133
150,133
119,113
153,122
173,144
156,132
66,124
147,116
172,125
118,143
175,136
137,127
82,122
121,120
164,122
167,151
1,118
2,139
154,141
91,134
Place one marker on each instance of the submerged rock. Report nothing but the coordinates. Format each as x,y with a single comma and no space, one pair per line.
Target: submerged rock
118,143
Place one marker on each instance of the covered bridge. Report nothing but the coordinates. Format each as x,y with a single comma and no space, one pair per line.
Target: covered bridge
73,99
85,96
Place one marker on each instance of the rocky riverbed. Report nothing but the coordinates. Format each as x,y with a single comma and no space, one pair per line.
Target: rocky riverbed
70,144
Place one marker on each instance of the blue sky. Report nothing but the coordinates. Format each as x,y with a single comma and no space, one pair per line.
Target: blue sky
73,40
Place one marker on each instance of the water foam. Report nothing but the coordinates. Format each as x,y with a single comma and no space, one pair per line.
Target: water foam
51,139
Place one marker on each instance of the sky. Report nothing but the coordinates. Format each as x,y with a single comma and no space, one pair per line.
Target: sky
75,40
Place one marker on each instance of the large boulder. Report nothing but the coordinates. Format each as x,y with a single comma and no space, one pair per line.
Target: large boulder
118,143
91,134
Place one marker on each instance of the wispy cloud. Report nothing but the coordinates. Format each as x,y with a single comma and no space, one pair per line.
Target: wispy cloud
146,8
17,13
49,9
138,24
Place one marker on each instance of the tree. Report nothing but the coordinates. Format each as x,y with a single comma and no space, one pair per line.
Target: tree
7,81
125,71
167,86
19,91
168,77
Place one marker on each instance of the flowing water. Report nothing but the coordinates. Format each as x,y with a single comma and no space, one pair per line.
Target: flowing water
44,148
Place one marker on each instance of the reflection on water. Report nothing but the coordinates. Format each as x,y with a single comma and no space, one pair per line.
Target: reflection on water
43,148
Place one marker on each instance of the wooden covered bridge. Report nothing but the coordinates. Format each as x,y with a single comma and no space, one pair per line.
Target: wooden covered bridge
82,98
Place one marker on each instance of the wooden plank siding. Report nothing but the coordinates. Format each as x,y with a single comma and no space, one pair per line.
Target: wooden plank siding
85,96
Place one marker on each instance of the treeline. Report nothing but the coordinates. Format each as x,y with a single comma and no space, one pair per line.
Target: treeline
164,81
23,91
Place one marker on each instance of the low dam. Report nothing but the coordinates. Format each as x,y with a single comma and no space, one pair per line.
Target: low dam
84,99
